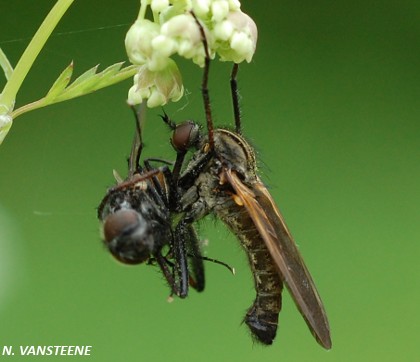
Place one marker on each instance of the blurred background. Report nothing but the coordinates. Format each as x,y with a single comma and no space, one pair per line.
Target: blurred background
330,102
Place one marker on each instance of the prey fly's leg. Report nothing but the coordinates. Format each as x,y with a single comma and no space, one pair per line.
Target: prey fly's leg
163,264
181,263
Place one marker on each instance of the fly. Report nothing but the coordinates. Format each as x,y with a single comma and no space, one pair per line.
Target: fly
222,178
139,219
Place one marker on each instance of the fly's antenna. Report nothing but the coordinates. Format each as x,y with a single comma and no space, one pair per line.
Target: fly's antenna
235,98
204,84
165,118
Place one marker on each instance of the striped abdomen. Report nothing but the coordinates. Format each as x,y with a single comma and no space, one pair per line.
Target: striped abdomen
262,317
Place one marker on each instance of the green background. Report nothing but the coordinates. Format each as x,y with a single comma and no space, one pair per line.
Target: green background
331,103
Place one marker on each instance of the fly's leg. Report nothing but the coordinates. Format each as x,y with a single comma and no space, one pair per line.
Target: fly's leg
235,98
204,85
168,274
180,255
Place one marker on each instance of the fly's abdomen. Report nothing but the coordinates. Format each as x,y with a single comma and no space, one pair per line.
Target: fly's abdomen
262,317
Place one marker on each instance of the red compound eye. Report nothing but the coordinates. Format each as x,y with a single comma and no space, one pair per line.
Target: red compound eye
115,224
127,237
185,136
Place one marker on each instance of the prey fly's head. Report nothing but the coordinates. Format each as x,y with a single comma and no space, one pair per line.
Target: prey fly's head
126,236
136,221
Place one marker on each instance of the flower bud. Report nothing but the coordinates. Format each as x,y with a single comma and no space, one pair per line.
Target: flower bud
234,5
241,44
157,86
159,5
183,30
220,10
138,41
223,30
201,7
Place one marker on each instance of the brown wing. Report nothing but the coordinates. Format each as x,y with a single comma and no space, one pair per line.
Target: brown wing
270,224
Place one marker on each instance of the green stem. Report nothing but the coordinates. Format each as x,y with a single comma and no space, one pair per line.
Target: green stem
5,64
8,96
143,8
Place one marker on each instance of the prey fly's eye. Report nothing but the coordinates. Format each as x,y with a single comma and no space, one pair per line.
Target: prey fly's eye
115,224
126,236
185,136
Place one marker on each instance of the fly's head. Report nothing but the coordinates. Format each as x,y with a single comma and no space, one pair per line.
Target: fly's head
127,237
186,136
134,225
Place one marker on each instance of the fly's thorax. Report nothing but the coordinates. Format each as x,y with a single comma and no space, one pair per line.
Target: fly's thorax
200,198
203,185
235,153
137,192
230,151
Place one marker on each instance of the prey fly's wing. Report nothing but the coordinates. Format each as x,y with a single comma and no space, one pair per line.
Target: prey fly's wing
137,146
271,226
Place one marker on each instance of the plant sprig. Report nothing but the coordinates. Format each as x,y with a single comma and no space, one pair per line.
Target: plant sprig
90,81
62,89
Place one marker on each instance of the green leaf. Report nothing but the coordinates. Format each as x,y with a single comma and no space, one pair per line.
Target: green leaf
61,83
90,81
84,77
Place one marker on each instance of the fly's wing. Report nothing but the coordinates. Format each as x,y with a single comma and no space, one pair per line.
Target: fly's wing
136,148
134,159
283,250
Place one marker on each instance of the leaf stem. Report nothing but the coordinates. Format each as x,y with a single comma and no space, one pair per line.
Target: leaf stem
5,64
8,96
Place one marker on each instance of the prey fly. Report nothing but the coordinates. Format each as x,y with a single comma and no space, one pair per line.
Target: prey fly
140,222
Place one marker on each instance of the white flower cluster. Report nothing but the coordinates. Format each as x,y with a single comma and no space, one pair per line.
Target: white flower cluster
229,32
